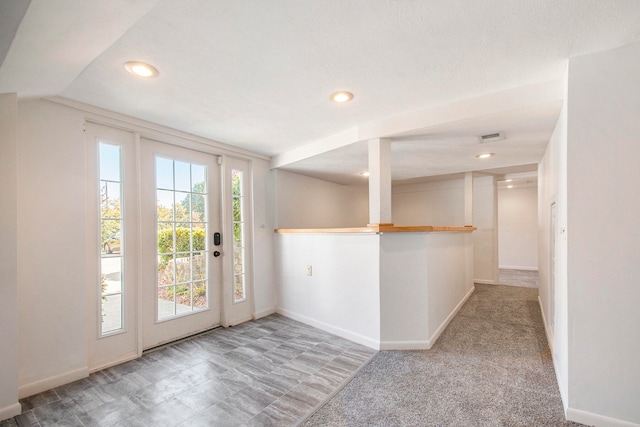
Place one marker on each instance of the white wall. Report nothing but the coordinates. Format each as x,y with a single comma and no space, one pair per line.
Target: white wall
431,203
443,203
343,294
485,238
424,280
518,228
386,291
51,237
604,242
51,241
552,188
304,202
9,405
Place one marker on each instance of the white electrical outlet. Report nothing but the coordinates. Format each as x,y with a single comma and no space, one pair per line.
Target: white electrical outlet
309,270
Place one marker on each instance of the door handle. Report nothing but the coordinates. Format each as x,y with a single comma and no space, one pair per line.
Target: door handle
216,254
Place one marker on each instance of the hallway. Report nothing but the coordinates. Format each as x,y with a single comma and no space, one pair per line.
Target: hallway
491,367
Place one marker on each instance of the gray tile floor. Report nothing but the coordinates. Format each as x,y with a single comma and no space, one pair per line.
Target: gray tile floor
522,278
269,372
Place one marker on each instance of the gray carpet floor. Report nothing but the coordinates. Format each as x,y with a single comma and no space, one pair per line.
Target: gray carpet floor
490,367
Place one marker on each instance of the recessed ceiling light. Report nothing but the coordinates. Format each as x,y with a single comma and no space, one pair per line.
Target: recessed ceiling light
341,97
509,186
484,155
364,173
508,180
141,69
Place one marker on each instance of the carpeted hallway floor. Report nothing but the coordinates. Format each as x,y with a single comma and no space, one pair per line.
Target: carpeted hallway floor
491,367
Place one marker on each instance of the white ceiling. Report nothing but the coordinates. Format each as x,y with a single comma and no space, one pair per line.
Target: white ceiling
431,75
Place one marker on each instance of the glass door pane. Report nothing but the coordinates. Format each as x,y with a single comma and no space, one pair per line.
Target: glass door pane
182,227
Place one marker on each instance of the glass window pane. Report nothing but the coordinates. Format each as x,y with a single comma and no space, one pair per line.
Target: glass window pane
110,199
238,260
109,162
164,205
164,173
111,227
183,207
236,183
166,302
199,240
198,208
183,298
237,209
199,263
166,241
198,179
238,293
111,313
182,238
183,269
111,269
237,232
111,234
166,270
182,176
199,295
237,189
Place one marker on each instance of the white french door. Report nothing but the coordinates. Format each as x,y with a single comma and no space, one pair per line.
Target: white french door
169,246
181,266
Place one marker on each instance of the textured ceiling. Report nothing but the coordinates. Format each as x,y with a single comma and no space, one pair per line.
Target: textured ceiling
257,73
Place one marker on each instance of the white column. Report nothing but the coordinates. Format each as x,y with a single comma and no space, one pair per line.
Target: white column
380,181
468,198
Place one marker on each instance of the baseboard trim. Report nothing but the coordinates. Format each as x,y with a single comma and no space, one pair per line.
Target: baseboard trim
10,411
264,313
39,386
360,339
550,335
126,358
547,331
434,337
592,419
405,345
485,282
517,267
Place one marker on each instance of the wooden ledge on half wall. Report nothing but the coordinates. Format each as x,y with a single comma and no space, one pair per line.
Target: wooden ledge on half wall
379,228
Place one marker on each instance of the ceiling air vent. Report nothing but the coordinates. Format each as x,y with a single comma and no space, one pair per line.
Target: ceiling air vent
491,137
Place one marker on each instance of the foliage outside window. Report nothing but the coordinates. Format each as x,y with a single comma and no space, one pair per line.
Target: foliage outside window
239,276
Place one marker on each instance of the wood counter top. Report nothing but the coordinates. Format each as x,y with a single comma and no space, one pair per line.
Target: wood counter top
378,228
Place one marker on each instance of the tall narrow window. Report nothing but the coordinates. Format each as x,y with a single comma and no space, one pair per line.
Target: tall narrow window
111,238
239,276
182,226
